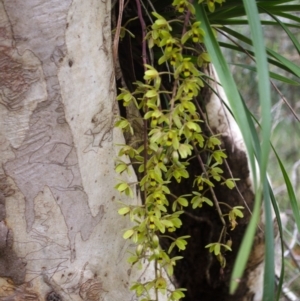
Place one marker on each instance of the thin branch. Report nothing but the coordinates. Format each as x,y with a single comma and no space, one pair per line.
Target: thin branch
144,31
220,213
198,218
186,21
285,101
295,261
144,58
225,161
118,30
151,56
288,294
253,59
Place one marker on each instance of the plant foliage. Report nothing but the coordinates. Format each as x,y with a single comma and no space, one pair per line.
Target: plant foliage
177,43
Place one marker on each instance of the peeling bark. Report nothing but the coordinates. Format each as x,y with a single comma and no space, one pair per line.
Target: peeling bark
60,234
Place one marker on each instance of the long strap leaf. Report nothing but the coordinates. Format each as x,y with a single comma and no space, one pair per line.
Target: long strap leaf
265,104
242,120
240,114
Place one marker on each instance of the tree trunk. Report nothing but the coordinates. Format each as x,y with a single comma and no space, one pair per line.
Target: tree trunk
61,236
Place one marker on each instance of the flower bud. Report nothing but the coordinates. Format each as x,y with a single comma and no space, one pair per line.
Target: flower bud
139,250
155,240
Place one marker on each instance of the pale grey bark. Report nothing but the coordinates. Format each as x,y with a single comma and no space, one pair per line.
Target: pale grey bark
60,234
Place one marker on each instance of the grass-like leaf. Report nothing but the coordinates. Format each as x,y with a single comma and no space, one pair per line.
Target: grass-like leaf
265,104
277,214
262,152
250,52
285,63
286,29
290,190
273,75
236,9
242,118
